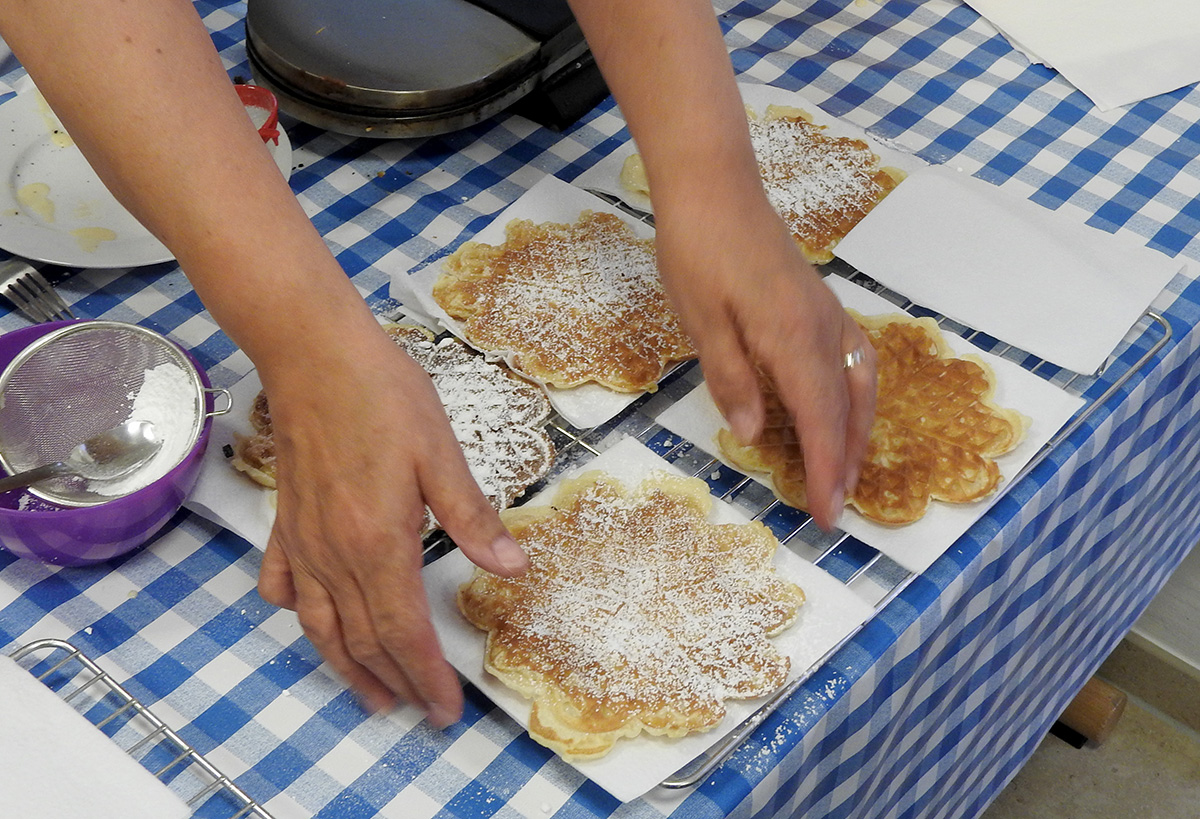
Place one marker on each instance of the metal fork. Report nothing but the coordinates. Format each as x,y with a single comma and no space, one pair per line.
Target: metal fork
25,287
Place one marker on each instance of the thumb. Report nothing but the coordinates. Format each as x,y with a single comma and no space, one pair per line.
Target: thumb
275,583
733,382
467,517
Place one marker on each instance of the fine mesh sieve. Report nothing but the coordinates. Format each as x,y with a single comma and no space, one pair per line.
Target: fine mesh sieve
83,379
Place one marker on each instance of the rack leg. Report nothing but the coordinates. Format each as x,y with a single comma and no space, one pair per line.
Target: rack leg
1095,711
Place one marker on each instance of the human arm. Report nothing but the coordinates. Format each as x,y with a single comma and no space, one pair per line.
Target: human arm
363,443
742,288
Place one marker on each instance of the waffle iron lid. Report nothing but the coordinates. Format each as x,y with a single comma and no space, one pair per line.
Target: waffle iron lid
403,55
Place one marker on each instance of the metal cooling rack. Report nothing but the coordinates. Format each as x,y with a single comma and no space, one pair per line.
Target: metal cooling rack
105,703
859,565
868,572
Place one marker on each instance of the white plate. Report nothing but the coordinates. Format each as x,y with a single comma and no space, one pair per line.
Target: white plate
88,228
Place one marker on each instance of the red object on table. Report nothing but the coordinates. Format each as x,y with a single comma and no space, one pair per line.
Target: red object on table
255,96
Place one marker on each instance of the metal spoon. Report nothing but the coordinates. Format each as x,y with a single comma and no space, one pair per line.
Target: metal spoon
104,457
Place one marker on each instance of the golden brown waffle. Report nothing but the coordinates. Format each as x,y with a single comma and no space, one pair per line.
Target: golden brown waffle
255,454
636,615
496,415
935,435
821,185
572,304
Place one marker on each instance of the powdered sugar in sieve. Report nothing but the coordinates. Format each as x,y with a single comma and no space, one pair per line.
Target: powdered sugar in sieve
88,377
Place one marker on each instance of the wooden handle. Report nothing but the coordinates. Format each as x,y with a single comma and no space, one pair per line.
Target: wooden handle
1095,710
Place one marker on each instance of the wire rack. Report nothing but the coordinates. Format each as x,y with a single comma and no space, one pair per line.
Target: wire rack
135,729
866,571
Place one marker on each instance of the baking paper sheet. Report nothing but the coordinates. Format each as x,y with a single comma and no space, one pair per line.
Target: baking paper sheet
550,200
1115,51
55,763
917,545
1006,266
635,766
223,494
604,176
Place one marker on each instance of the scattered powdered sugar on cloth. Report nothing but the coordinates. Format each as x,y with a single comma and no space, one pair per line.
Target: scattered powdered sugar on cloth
167,399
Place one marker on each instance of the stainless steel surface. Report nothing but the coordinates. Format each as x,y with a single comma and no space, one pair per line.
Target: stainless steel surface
77,381
389,67
105,703
404,68
388,54
24,286
376,124
112,454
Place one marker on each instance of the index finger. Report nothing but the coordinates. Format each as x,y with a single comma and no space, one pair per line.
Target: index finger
832,408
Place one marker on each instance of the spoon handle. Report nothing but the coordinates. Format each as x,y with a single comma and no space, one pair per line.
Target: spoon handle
30,476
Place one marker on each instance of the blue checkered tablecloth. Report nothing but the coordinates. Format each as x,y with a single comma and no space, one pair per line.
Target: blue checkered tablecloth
936,704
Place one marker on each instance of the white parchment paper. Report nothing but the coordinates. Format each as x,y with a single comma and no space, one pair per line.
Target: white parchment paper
637,765
224,495
1115,51
917,545
1030,276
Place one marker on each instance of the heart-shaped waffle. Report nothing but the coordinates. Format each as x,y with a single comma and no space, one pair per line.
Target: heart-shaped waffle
637,613
570,304
497,418
820,185
935,435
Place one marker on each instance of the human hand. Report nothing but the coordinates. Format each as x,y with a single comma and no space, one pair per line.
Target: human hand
363,445
749,300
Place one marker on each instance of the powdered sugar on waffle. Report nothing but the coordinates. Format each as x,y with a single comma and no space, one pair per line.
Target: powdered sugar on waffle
821,185
804,171
496,417
571,303
627,607
636,608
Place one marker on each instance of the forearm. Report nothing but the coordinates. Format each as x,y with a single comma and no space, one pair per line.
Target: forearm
141,89
363,441
667,66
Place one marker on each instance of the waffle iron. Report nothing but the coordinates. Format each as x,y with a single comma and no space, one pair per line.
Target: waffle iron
411,68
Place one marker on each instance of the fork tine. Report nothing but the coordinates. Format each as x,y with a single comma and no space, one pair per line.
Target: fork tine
19,295
27,300
51,300
32,294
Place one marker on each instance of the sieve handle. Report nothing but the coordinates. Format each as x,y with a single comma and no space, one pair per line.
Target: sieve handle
219,392
41,473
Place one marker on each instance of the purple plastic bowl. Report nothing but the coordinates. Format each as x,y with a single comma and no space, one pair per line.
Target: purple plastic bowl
80,536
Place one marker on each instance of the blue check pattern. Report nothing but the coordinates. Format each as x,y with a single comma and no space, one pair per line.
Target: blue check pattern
936,704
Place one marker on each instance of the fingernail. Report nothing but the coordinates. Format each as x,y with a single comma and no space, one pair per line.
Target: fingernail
744,425
509,554
852,480
440,715
837,508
